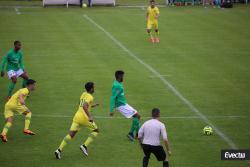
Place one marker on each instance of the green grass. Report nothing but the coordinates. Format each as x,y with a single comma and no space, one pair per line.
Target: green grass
204,53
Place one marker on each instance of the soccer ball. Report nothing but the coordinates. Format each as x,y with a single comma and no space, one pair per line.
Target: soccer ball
207,130
84,5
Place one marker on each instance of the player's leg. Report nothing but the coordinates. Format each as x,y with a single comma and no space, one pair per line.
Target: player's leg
149,28
157,33
95,131
75,127
6,128
27,115
23,75
89,3
135,126
160,154
130,112
147,152
8,114
12,76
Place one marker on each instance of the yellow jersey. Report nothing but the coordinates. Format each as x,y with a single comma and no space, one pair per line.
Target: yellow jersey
152,13
14,100
86,98
81,116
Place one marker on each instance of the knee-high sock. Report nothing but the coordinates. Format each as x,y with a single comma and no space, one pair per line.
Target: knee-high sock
11,88
145,161
27,121
24,83
135,125
165,164
90,139
65,141
6,128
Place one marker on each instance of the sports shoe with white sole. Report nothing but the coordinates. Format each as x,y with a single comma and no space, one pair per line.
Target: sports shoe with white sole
84,150
58,154
131,136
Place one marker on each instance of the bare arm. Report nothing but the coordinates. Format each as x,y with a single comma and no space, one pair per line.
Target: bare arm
4,61
147,16
157,16
95,105
86,110
140,135
165,139
167,145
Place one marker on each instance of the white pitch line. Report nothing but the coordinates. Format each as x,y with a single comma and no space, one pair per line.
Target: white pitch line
153,76
166,82
119,117
138,6
20,7
17,11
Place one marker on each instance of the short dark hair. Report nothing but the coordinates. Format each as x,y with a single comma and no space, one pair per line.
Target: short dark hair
155,112
16,42
30,82
89,86
118,73
152,1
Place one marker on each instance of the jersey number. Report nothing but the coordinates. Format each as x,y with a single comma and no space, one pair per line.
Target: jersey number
82,101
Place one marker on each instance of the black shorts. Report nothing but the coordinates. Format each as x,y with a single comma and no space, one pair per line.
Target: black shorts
158,151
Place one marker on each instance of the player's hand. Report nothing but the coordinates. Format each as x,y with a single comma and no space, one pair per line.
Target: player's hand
111,114
91,120
27,109
95,105
2,74
169,153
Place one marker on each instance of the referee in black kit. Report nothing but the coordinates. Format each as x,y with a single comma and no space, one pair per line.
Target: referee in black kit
149,136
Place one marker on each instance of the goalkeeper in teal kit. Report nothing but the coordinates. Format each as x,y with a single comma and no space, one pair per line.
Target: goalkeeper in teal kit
118,101
15,67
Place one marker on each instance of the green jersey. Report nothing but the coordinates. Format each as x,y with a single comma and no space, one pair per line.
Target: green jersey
14,61
118,97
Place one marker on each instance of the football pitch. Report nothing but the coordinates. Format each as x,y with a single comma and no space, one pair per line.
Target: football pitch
198,74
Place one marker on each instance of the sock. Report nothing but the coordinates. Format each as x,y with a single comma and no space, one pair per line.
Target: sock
27,121
145,162
6,128
90,139
165,164
65,142
135,125
24,83
11,88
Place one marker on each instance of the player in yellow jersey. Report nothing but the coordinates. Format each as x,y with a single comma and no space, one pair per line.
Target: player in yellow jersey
82,118
152,16
16,104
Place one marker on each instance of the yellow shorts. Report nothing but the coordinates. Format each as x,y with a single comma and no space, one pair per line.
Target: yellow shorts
10,110
81,120
77,126
152,24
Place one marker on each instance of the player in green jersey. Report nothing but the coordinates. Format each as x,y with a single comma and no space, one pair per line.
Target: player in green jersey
15,67
119,102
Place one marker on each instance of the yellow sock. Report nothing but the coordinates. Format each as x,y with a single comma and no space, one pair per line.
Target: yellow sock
27,121
65,142
6,128
90,138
